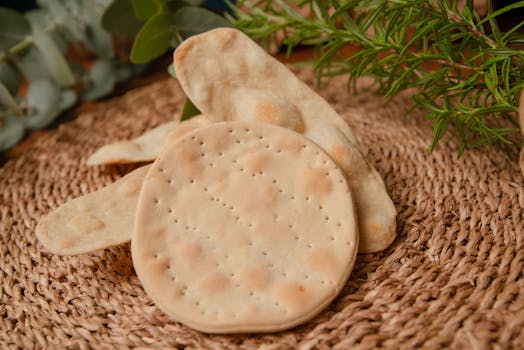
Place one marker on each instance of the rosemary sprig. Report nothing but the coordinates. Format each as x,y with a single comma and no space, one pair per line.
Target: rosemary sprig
468,74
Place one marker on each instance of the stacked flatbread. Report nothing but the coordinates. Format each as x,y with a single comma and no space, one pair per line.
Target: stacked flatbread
250,217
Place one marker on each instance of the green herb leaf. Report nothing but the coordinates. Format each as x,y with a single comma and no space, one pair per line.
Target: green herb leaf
194,2
465,76
153,39
11,131
195,20
53,58
13,28
145,9
119,18
189,110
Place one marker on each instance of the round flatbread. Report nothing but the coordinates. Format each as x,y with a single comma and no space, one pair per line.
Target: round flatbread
230,77
244,227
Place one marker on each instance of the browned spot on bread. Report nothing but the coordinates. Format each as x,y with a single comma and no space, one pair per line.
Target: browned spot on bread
188,161
189,252
158,267
315,181
66,243
374,228
256,162
268,112
292,295
290,144
85,223
213,283
255,278
341,155
323,259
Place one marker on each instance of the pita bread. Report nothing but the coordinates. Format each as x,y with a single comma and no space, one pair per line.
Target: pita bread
244,227
97,220
144,148
103,218
229,77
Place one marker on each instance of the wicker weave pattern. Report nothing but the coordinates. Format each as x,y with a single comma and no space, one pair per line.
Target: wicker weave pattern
452,279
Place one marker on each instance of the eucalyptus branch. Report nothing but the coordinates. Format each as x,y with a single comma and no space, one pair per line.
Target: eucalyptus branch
24,43
466,73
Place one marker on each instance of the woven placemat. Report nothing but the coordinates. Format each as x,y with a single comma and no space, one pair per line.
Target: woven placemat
452,279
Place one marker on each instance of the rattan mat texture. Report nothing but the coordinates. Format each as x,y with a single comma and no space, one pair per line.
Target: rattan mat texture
452,279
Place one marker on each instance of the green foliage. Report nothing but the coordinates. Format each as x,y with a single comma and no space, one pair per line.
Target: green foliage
10,77
13,28
462,69
171,70
7,101
147,9
189,110
186,25
11,131
102,80
167,24
54,59
153,39
35,47
43,102
119,18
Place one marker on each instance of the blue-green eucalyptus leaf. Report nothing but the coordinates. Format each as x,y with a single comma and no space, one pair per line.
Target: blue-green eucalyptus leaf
42,18
195,20
13,28
103,80
62,15
10,76
123,73
31,65
43,100
119,18
53,58
171,70
153,39
11,131
95,37
7,100
68,98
